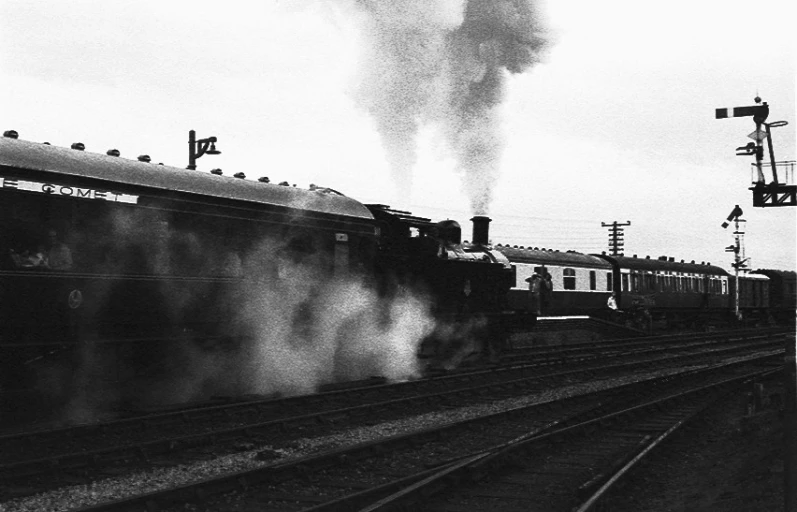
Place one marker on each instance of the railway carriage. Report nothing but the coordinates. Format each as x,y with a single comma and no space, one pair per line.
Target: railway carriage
753,294
673,292
158,253
581,283
782,293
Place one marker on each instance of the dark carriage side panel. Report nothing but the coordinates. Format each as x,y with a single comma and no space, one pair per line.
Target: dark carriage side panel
157,253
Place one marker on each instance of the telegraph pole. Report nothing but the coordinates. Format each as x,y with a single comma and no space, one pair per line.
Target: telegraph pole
616,236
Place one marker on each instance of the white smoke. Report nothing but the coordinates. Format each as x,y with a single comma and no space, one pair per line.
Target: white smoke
309,329
292,327
444,63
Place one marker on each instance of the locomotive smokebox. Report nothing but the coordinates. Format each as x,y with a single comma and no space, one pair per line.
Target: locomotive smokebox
481,229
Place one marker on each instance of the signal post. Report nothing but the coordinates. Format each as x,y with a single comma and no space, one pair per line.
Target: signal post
774,194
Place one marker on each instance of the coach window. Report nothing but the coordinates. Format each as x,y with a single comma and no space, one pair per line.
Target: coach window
625,281
609,283
593,280
634,282
569,279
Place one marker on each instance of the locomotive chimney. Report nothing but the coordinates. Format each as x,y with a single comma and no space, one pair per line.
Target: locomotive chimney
481,229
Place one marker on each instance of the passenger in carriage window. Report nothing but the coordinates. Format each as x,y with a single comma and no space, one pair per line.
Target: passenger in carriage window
29,258
59,257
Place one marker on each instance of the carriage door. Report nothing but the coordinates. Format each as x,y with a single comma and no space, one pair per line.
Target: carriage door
341,253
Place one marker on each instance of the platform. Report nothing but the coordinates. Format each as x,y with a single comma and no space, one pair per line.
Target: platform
566,330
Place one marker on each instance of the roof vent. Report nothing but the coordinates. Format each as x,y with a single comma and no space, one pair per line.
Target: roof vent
113,152
693,262
240,175
672,260
11,134
78,146
217,172
144,158
634,255
264,179
647,257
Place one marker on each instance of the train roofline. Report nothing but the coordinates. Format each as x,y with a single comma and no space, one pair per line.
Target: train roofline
20,154
543,257
651,264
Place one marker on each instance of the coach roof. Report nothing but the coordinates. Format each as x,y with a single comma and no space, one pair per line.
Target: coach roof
116,172
555,258
657,265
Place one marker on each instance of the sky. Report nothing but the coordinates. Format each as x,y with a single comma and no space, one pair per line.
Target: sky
609,116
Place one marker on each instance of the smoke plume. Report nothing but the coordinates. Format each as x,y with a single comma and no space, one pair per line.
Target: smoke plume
444,63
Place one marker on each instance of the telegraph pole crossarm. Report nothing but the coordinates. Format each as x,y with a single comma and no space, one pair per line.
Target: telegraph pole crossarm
616,236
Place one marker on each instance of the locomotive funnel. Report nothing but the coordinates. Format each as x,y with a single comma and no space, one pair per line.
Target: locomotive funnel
481,229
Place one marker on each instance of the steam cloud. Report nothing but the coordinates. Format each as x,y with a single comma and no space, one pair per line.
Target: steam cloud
289,325
444,63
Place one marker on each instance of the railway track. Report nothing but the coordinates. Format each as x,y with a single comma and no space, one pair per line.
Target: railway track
83,451
391,471
90,465
573,468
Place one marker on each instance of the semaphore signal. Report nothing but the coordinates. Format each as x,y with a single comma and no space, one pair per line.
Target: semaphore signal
776,193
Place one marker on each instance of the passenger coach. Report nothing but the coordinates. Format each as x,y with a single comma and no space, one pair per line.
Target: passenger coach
145,252
581,283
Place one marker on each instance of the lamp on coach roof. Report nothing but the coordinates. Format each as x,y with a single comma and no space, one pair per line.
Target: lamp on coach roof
11,134
217,172
144,158
264,179
240,175
113,152
78,146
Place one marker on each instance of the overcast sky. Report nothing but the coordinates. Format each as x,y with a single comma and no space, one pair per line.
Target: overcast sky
615,121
